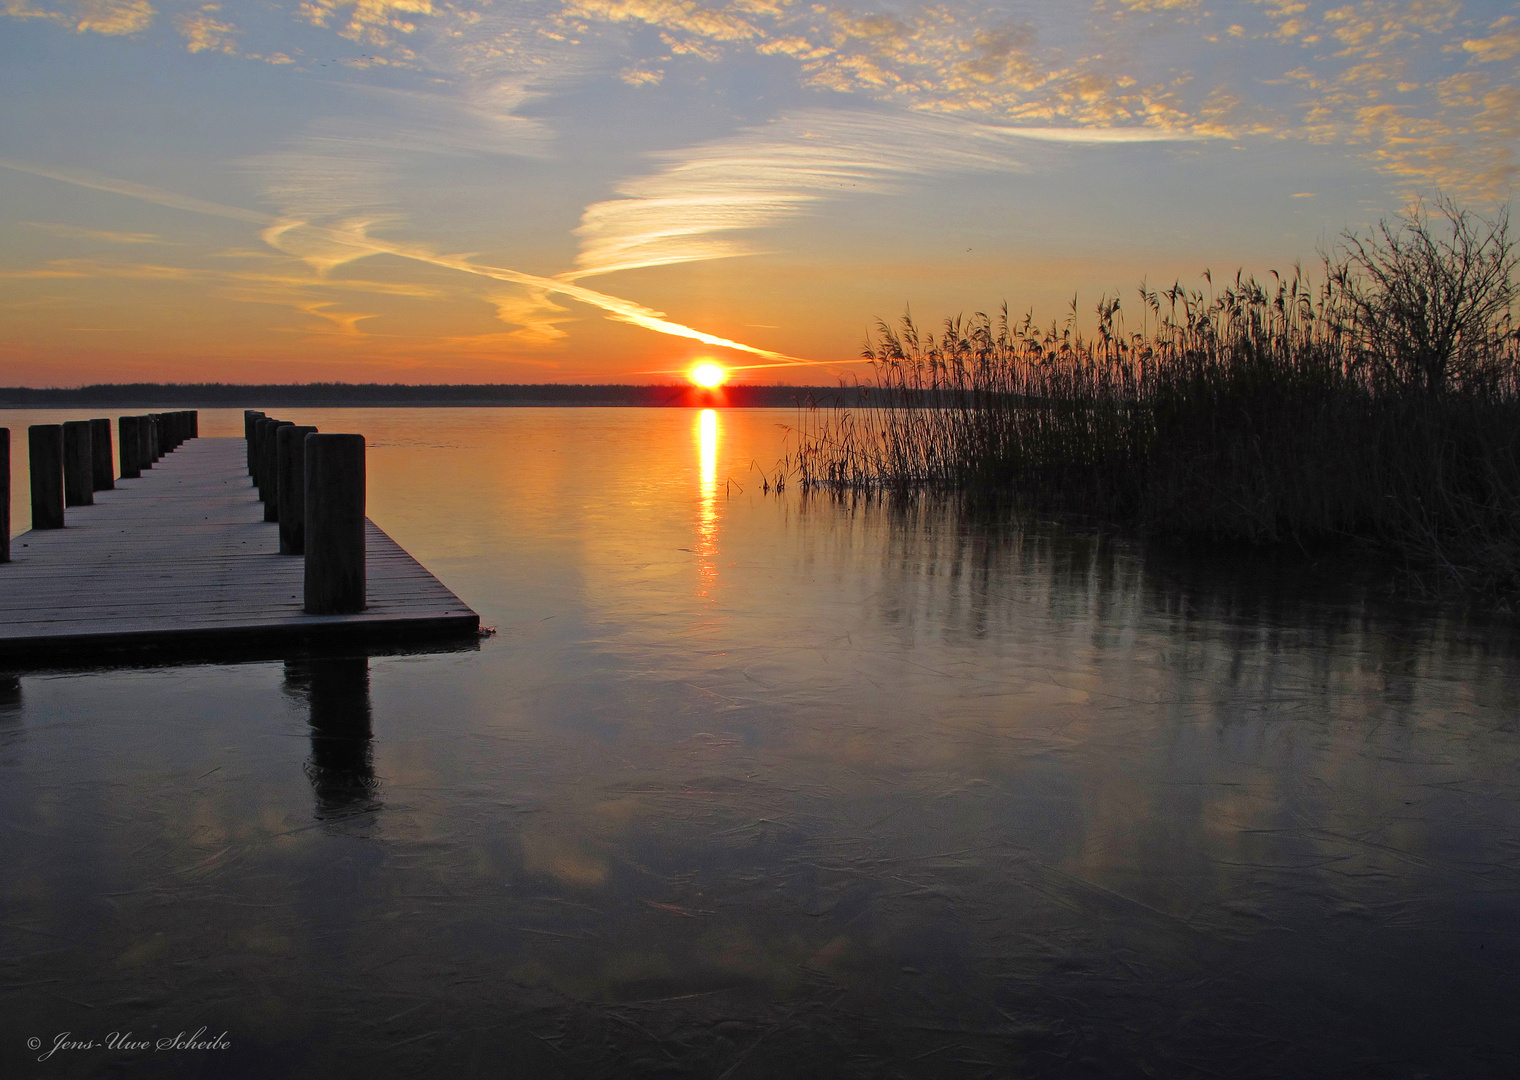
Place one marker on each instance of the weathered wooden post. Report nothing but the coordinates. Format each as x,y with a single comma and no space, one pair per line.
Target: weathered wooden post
155,439
272,469
44,442
261,428
103,476
334,524
195,423
145,442
290,463
78,464
265,428
126,436
250,417
5,494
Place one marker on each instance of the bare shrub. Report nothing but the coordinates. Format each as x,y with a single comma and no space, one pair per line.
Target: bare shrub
1425,298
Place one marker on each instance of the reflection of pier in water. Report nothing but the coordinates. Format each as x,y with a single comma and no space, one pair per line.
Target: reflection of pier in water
10,716
341,769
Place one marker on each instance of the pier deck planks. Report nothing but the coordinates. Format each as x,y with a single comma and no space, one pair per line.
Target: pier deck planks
183,556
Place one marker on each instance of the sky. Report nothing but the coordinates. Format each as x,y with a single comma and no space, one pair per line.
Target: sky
423,191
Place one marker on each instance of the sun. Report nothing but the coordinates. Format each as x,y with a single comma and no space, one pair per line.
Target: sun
709,375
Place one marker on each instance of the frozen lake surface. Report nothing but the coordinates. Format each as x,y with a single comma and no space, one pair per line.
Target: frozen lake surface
752,786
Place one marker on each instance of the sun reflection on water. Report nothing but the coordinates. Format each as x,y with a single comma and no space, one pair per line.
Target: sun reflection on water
707,507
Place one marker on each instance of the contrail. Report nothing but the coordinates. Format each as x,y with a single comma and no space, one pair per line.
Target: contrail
620,309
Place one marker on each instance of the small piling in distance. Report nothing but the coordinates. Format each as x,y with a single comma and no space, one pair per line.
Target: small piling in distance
78,464
253,451
5,494
335,572
44,442
144,443
103,469
127,437
290,464
272,469
261,435
250,417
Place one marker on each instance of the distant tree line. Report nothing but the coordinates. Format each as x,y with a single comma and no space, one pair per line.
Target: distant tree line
240,395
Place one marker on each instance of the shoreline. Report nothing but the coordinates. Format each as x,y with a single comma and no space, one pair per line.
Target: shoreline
439,395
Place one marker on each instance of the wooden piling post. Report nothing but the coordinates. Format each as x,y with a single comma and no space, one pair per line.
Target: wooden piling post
290,463
250,417
265,429
272,469
44,442
127,437
145,442
78,464
195,423
253,448
5,494
261,428
104,468
335,581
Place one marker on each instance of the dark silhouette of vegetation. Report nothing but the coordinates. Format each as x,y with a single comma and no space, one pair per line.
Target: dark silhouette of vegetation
1426,305
375,395
1379,408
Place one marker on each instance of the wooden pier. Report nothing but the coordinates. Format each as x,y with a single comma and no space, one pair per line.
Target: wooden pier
182,557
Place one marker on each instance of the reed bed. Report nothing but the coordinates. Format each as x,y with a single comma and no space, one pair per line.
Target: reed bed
1261,414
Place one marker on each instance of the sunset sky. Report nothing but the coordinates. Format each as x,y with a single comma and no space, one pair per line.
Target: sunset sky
609,190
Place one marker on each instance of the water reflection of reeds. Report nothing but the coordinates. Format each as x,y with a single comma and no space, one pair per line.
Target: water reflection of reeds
1237,624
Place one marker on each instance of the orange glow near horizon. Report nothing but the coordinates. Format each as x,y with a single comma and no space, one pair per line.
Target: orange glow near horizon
709,375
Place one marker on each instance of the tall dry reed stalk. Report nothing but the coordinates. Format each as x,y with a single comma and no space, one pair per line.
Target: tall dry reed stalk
1258,414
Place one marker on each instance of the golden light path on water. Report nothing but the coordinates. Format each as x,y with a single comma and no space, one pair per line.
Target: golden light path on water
707,507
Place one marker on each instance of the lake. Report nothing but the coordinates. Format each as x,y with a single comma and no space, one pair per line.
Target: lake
752,785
